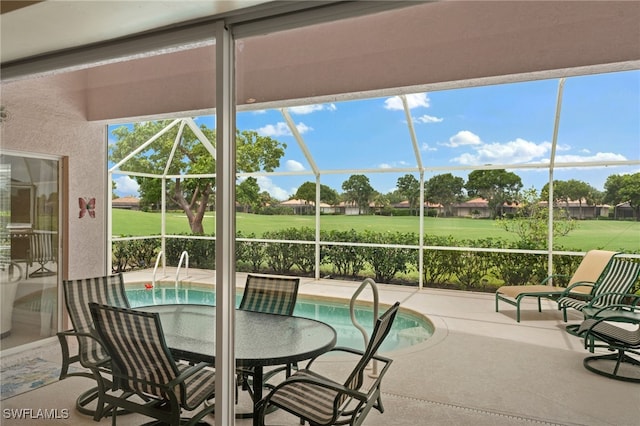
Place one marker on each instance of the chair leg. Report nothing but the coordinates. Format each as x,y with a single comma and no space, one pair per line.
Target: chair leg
619,357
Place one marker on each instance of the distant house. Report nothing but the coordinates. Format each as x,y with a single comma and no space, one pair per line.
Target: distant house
430,206
349,208
476,208
306,207
479,208
128,203
623,211
586,211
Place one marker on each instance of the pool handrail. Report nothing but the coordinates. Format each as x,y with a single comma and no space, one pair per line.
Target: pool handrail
374,288
153,279
184,255
155,268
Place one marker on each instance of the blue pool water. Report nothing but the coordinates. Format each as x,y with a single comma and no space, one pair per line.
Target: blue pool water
408,329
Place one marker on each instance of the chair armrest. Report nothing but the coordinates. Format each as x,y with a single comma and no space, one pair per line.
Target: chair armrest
567,291
188,373
320,382
336,349
617,308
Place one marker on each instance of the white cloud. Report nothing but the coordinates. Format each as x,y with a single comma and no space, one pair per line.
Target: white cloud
266,184
394,164
462,138
303,128
428,119
293,166
426,147
518,151
126,186
308,109
600,156
281,129
414,100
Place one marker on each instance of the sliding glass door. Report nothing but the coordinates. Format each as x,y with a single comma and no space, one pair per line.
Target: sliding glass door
29,248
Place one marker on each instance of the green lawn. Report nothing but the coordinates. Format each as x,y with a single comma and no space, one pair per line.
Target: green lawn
590,234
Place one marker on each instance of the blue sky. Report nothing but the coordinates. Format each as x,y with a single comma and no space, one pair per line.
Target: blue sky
500,124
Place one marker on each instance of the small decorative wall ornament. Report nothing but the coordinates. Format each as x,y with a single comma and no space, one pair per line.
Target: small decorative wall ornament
87,205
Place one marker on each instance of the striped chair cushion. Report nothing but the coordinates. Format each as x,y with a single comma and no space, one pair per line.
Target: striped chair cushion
198,387
570,302
322,405
612,333
274,295
108,290
307,400
618,279
141,353
41,247
137,345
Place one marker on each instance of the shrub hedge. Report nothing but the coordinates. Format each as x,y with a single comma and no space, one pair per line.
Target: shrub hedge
471,267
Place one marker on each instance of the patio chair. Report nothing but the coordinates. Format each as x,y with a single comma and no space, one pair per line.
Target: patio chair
611,288
622,340
272,295
591,267
91,355
41,251
322,401
143,364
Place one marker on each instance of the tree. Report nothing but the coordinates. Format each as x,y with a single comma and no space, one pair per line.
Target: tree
394,197
622,189
445,189
248,194
560,192
496,186
358,190
612,187
409,187
531,222
572,190
307,192
580,191
192,195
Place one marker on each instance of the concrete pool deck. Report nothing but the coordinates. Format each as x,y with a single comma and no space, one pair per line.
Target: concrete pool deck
480,367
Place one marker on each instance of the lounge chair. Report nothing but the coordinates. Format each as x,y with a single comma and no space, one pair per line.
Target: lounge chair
143,365
322,401
622,340
91,355
267,294
591,267
611,288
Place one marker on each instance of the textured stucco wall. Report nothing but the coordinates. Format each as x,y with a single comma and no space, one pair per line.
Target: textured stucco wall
47,115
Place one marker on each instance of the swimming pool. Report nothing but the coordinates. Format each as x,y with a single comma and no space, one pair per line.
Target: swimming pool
408,329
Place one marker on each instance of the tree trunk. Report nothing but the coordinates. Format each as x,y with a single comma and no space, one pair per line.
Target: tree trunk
199,199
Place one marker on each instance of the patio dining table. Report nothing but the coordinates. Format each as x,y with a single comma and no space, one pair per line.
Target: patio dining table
260,339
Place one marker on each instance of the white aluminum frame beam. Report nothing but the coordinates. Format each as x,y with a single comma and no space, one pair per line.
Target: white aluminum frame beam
225,226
